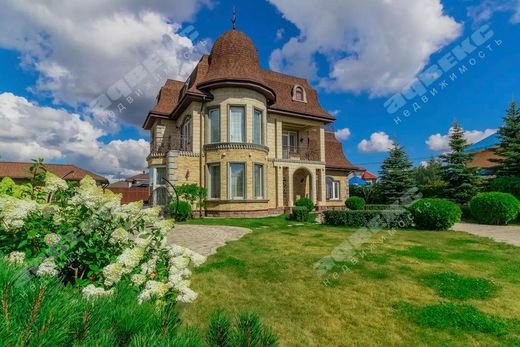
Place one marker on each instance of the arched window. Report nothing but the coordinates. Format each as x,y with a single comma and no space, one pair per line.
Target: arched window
299,94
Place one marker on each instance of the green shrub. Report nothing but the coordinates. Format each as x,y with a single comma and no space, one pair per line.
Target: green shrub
371,219
466,211
435,189
305,202
300,214
435,214
509,185
495,208
355,203
378,207
180,210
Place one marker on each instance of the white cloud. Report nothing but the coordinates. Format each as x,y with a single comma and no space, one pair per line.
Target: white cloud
80,48
438,142
516,17
279,34
377,46
342,134
485,10
30,131
379,142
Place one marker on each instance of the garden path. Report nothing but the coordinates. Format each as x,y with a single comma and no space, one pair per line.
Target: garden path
508,234
205,239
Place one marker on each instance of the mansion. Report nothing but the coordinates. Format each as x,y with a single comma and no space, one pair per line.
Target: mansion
256,139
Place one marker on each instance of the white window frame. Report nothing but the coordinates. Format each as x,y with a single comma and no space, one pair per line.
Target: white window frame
209,181
230,195
304,93
261,113
185,133
335,189
244,116
210,124
262,182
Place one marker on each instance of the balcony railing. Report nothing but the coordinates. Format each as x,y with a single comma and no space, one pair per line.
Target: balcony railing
310,152
161,146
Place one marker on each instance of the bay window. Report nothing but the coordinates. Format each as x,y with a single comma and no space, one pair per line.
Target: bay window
237,174
214,181
214,125
258,181
237,127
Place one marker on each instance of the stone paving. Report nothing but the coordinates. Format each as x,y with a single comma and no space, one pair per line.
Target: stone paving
508,234
205,239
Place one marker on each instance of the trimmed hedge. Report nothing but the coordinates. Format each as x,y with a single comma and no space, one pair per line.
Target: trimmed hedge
495,208
305,202
367,218
182,212
509,185
435,214
355,203
299,214
377,207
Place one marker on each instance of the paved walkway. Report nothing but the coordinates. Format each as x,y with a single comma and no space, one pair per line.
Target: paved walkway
508,234
205,239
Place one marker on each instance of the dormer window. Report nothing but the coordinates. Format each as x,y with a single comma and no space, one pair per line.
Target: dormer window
299,94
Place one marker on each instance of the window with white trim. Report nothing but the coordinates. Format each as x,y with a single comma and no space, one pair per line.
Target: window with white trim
237,181
214,181
258,181
237,129
186,135
332,189
214,125
258,131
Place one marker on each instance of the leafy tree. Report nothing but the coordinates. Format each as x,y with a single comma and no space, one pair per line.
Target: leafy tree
462,181
509,148
429,173
396,175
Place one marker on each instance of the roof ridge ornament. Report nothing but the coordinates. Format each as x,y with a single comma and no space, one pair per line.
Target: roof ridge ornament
234,18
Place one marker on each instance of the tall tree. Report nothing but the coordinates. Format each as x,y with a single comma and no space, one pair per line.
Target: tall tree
430,172
462,180
396,175
509,148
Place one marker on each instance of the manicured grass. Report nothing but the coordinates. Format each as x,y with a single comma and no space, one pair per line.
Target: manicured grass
452,285
272,272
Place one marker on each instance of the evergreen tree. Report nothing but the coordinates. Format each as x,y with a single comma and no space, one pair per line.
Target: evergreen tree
396,175
429,173
509,148
462,181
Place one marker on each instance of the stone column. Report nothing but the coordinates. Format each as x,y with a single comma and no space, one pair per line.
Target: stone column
171,168
323,187
291,187
278,138
313,188
279,186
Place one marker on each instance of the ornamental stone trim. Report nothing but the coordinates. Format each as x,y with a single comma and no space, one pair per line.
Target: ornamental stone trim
233,145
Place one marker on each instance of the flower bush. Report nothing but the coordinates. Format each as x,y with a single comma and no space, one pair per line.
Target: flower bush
435,214
355,203
494,208
86,237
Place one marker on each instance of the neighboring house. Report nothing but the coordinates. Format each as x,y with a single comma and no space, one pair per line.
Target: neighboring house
363,178
19,172
254,138
133,188
484,151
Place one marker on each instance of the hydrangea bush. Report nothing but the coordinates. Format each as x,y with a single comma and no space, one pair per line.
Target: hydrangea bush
86,237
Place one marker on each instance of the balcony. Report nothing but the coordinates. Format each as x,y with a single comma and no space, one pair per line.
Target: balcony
160,146
310,152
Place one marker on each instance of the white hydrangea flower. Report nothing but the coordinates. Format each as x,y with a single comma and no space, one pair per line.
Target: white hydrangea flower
150,215
186,295
138,279
164,225
148,267
143,240
130,258
176,250
47,268
113,273
15,258
180,262
53,183
119,235
14,211
51,239
93,292
153,289
196,258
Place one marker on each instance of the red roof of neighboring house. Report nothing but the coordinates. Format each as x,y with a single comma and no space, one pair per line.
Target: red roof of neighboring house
18,170
234,61
139,177
334,156
368,176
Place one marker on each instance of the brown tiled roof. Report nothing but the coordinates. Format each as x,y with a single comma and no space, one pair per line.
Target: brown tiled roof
17,170
483,159
367,175
140,177
334,156
234,60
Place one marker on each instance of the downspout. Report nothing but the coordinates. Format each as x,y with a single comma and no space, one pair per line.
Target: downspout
202,136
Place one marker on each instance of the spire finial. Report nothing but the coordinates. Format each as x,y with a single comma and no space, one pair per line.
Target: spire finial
234,19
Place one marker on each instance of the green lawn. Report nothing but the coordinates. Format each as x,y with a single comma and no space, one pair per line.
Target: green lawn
415,289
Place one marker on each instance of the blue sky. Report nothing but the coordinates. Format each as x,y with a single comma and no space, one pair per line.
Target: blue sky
357,55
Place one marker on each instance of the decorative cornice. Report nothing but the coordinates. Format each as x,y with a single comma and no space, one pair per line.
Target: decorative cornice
235,145
296,161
